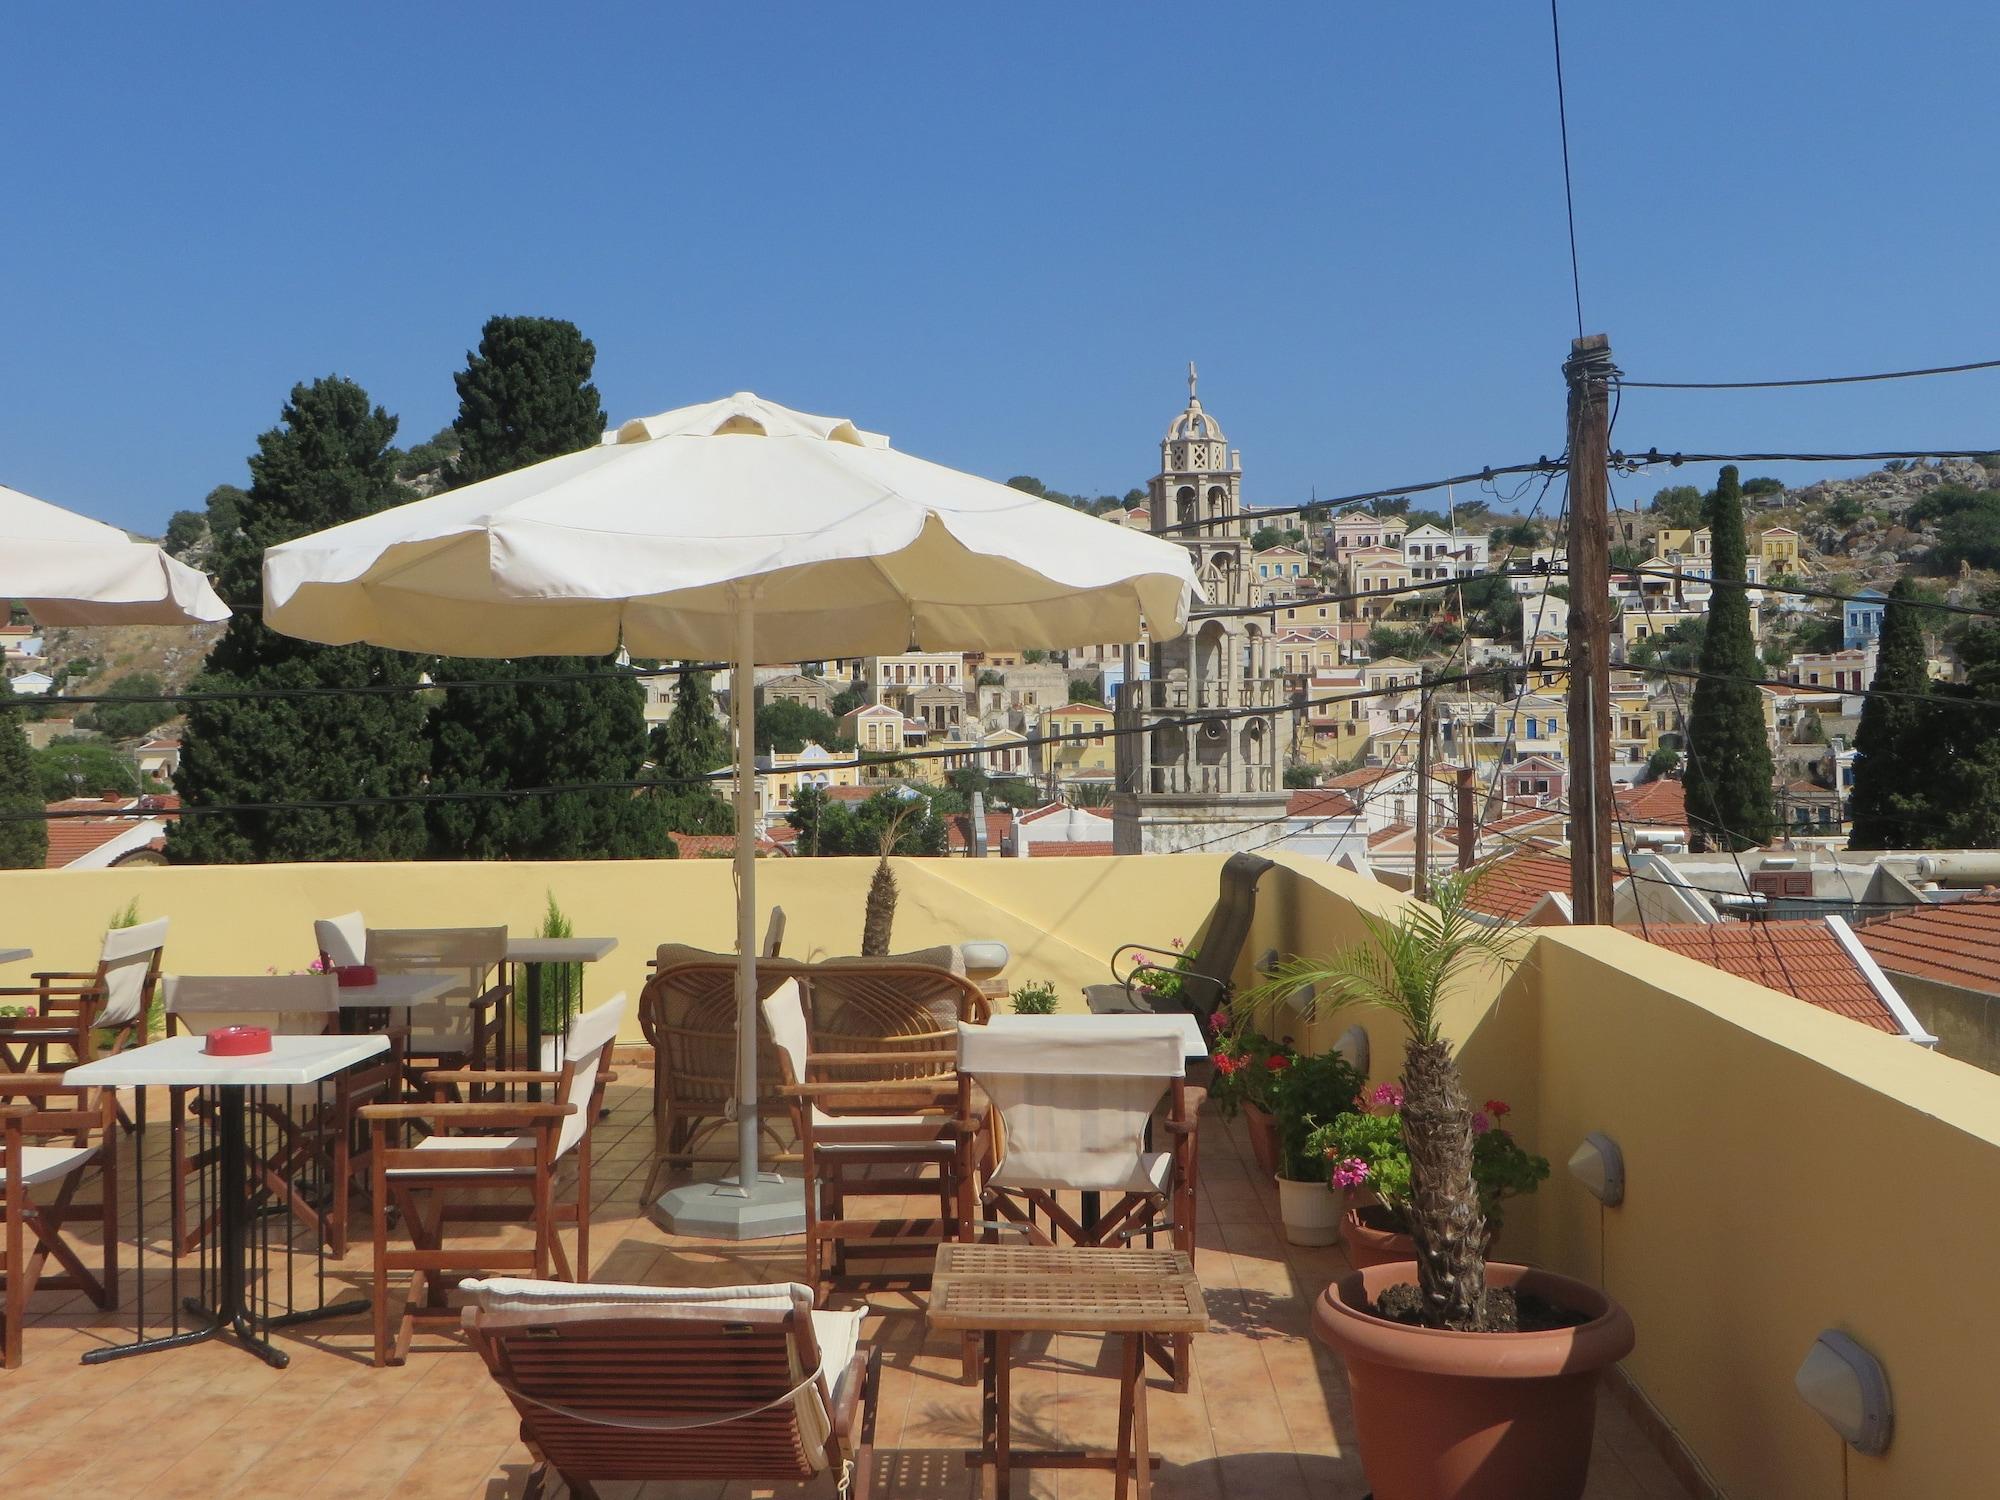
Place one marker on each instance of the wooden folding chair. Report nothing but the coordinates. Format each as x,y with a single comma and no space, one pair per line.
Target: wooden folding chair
322,1153
1073,1112
462,1029
486,1163
53,1135
647,1383
74,1012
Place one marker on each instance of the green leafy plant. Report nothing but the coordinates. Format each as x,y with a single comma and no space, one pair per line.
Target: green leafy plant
1406,966
1164,980
1304,1091
1365,1150
562,984
1035,998
1246,1061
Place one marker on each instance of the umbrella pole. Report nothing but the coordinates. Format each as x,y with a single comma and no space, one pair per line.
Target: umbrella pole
746,1206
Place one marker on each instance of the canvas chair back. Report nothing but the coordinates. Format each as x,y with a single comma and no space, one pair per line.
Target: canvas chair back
1073,1105
590,1037
687,1381
469,956
130,964
290,1004
785,1018
774,933
343,941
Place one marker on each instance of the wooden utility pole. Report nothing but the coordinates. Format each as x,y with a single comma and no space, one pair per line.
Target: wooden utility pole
1422,885
1589,373
1468,822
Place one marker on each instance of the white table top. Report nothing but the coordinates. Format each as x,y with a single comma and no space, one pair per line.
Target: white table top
181,1060
15,955
398,990
1192,1044
574,950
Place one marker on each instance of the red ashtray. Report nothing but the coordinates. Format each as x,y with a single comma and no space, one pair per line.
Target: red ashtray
238,1041
355,976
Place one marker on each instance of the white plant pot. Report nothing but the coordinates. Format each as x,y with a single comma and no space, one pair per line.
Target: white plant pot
1311,1211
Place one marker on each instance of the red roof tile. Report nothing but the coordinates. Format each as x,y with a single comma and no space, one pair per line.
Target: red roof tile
1069,850
958,831
72,838
1954,942
1510,888
1661,804
1802,958
1384,835
1318,802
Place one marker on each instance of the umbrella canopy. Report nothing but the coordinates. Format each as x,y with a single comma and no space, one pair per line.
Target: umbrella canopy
642,541
737,529
70,570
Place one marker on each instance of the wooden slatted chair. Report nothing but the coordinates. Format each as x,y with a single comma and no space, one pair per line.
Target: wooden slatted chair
688,1012
645,1383
486,1163
1074,1112
323,1144
53,1135
463,1029
72,1011
875,1111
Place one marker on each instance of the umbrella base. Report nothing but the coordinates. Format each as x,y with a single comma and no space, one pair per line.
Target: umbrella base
775,1206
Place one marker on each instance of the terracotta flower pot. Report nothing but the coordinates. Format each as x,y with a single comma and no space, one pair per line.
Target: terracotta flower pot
1369,1245
1473,1416
1263,1127
1310,1211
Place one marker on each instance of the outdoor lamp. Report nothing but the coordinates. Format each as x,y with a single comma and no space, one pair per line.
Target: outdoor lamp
1353,1045
1845,1384
1600,1166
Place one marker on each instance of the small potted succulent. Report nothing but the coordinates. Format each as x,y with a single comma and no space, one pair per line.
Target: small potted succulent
1305,1091
1245,1062
1367,1157
1469,1381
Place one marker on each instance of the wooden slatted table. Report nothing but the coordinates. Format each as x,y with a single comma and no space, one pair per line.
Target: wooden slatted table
998,1291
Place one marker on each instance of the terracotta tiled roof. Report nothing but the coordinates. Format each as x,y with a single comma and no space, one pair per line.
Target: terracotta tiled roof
1955,942
850,793
72,838
720,845
1365,776
1318,802
958,831
1801,958
1069,850
1510,888
1661,804
1384,835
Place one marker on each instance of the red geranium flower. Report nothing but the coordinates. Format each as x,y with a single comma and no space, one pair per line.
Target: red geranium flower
1497,1108
1277,1062
1225,1064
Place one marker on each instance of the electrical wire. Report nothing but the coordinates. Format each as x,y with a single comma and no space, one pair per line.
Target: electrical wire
1632,462
1542,465
1767,385
1569,197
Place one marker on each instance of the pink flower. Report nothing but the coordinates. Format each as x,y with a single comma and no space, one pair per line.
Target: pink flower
1225,1064
1480,1124
1350,1173
1177,942
1386,1096
1498,1108
1277,1062
1220,1019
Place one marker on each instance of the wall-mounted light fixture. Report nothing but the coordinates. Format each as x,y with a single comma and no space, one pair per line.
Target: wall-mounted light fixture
1353,1045
1846,1385
1600,1166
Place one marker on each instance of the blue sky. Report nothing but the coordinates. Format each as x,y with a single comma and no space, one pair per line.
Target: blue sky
997,234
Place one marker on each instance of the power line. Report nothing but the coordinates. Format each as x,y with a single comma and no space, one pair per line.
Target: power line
1631,462
1486,475
1767,385
1569,197
253,695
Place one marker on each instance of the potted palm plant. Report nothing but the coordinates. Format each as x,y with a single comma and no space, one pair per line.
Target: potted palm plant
1469,1381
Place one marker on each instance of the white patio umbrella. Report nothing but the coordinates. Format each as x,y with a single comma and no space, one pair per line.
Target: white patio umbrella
736,529
70,570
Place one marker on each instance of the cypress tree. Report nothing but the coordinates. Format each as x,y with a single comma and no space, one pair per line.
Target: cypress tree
525,395
1728,773
692,742
24,837
328,462
1891,800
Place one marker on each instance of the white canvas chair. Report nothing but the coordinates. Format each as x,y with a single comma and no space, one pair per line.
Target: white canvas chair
507,1156
874,1120
343,940
651,1383
52,1135
1075,1112
462,1029
319,1136
71,1010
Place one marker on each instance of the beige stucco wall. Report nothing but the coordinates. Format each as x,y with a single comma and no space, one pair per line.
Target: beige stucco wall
1965,1022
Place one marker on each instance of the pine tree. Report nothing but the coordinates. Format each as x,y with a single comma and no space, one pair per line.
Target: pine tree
525,396
1728,757
691,743
329,462
1891,799
24,837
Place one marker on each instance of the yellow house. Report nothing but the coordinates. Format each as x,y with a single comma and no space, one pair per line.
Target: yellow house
1547,671
1779,548
1537,724
1374,570
782,773
1093,754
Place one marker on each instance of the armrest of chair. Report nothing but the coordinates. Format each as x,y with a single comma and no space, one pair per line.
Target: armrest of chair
887,1055
491,1075
85,978
15,1085
47,991
487,1116
863,1382
847,1088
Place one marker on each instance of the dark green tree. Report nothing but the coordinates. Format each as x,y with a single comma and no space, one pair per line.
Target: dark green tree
224,505
328,462
525,396
1891,803
785,726
128,720
1728,757
1678,506
692,742
184,529
72,766
24,837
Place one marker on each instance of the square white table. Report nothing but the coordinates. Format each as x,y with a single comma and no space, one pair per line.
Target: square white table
1193,1046
395,991
534,955
183,1061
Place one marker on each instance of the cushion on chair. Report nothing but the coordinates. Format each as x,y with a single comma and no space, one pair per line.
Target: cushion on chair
442,1146
40,1164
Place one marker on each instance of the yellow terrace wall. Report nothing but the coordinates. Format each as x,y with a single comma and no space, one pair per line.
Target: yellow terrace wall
1061,918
